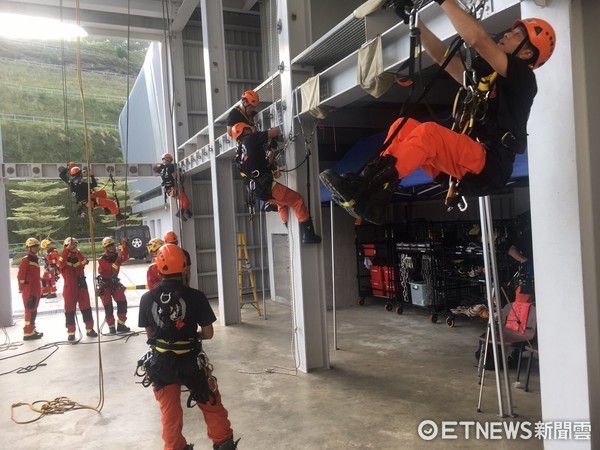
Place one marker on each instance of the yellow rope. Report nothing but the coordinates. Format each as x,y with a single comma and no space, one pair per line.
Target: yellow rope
59,405
88,157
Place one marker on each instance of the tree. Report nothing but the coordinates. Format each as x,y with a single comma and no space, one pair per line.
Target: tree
41,213
46,209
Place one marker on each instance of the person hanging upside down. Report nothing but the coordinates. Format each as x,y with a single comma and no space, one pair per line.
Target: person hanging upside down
255,168
172,186
482,162
51,273
109,284
73,176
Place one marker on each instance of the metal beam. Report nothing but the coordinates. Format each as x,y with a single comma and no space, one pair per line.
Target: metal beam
142,19
50,171
183,15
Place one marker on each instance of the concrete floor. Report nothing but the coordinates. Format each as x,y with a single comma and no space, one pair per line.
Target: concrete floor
390,373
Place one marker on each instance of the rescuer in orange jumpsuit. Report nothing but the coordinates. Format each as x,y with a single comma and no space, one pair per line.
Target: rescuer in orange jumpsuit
30,288
51,275
72,264
109,285
153,276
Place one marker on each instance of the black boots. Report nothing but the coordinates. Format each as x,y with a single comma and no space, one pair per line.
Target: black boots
122,328
367,194
91,333
184,214
308,233
230,444
33,337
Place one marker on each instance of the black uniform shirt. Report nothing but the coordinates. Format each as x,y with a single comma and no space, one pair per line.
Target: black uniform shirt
509,101
236,115
193,311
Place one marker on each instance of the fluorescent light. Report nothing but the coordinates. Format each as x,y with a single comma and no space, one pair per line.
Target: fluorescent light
16,26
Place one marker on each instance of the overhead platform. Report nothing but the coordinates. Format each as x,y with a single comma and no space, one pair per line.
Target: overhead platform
50,171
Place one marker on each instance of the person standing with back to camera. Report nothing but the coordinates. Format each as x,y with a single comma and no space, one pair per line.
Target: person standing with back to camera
177,319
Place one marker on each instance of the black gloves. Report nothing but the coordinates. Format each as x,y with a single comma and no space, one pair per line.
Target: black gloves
273,143
31,302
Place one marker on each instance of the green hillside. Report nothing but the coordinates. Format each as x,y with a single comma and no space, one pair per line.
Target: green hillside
40,89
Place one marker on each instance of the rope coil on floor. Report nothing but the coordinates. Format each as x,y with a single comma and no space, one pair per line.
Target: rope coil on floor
59,405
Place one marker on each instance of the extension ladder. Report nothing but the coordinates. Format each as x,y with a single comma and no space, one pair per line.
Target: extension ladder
244,267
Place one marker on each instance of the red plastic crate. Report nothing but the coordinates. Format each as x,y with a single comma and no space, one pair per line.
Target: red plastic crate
376,273
369,250
388,274
384,292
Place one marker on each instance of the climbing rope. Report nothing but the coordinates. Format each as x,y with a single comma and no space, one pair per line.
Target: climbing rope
59,405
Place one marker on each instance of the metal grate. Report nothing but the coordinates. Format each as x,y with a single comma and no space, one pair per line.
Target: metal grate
270,90
341,41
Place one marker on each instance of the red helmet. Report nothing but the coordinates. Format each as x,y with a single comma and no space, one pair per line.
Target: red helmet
238,129
170,237
170,260
541,36
251,97
75,171
167,156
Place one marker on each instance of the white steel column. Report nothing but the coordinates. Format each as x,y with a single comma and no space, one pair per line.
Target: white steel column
584,26
213,43
6,312
308,294
564,216
176,106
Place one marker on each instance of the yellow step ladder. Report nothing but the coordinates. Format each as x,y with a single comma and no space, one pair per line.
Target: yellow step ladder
244,267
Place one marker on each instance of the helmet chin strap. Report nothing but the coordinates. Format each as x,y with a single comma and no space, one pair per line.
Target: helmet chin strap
520,46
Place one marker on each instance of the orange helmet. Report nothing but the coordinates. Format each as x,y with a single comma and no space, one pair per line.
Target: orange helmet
251,97
170,238
170,260
238,129
75,171
541,36
167,156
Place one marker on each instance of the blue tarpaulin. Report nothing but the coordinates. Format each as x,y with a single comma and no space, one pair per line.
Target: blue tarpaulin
365,149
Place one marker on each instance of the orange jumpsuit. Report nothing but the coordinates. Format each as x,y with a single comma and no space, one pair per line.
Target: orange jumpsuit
153,277
435,149
109,266
50,273
30,288
72,267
